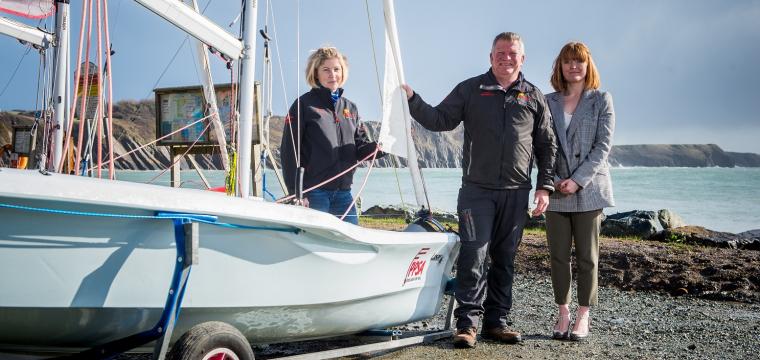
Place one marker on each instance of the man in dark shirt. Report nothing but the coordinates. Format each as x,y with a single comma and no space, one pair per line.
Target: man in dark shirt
506,124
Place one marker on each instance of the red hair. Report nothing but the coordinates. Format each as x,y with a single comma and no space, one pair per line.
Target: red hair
574,51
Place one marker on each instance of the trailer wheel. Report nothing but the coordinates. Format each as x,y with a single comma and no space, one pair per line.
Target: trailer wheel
213,340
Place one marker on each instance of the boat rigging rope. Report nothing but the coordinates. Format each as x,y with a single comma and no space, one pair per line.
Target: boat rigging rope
41,108
372,155
366,177
162,216
111,168
171,61
159,139
298,66
10,79
99,112
279,60
73,99
183,155
85,86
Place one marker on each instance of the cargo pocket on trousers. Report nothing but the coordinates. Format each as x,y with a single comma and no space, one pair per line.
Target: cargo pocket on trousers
467,225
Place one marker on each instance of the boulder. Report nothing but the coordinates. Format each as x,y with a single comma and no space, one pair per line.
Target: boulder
388,211
394,211
697,235
669,220
637,223
535,222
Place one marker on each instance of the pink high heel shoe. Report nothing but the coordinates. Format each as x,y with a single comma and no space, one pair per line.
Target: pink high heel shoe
582,334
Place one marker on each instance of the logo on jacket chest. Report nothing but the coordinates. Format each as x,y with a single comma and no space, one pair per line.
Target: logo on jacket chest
522,99
348,115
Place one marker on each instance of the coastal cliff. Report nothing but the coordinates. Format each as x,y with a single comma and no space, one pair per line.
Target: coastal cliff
134,124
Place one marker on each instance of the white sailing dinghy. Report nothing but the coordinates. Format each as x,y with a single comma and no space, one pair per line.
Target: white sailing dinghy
87,261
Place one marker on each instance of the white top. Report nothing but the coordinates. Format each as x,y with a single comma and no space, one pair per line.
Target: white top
566,123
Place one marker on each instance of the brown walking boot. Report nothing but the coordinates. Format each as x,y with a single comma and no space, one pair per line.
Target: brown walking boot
465,338
501,334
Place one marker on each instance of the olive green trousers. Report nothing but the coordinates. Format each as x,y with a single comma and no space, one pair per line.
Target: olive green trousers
563,229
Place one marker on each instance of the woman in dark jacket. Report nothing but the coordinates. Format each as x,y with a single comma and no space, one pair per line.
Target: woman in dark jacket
584,122
324,136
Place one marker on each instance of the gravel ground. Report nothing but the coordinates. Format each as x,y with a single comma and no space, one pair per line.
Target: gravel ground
637,316
625,325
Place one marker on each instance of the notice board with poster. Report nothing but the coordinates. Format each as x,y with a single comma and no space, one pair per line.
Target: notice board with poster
180,106
23,140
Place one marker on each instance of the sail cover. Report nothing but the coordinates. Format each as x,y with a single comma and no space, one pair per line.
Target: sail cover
32,9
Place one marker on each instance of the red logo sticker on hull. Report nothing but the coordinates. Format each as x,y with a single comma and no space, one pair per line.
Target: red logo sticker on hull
417,266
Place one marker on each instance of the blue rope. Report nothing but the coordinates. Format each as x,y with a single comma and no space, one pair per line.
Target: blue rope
264,187
161,216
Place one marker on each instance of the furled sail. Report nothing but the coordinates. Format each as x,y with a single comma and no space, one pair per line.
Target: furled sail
32,9
396,127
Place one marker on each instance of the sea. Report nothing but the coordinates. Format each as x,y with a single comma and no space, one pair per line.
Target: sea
721,199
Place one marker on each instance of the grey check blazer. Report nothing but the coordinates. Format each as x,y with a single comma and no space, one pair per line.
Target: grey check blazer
583,151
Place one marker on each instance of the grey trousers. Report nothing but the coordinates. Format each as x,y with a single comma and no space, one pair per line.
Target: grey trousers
562,230
490,225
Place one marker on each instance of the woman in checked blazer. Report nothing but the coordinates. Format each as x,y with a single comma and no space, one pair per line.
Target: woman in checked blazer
584,121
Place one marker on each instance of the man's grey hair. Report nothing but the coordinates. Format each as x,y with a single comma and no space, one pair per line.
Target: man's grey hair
509,36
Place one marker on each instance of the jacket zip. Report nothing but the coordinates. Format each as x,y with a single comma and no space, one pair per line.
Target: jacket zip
469,164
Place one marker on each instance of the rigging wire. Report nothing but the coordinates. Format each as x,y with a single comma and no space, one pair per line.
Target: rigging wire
166,68
171,61
279,60
116,17
298,66
109,76
179,158
20,61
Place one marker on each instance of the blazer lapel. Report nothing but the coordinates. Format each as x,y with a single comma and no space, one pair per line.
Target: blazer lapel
557,107
584,105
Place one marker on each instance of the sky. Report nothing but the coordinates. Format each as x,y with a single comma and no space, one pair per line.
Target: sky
679,71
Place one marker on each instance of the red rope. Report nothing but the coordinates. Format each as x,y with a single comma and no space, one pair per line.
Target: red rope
99,112
85,88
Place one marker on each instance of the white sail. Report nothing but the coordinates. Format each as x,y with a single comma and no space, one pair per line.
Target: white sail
32,9
393,129
396,128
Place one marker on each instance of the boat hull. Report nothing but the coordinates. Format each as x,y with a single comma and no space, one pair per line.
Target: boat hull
85,262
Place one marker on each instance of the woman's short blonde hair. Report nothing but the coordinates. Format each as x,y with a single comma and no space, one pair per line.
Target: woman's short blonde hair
574,51
317,58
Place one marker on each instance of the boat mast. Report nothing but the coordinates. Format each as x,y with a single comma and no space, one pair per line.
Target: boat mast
247,67
411,159
60,83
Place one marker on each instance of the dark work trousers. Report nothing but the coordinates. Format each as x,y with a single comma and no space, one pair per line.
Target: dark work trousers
490,224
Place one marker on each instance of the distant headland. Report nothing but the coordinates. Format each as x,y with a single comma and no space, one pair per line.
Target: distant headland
134,124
